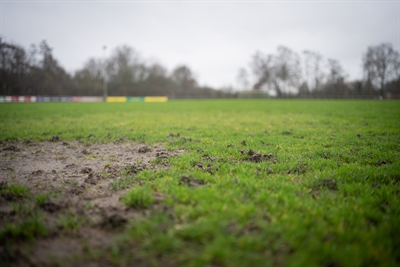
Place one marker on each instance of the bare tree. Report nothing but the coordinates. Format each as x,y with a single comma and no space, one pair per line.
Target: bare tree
335,84
120,65
52,78
89,80
281,72
336,71
287,71
313,69
184,78
95,68
243,78
157,81
380,65
261,66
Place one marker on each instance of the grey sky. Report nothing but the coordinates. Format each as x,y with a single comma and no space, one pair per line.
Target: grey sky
214,39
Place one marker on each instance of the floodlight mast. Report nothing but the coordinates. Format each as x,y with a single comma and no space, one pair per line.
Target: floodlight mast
104,75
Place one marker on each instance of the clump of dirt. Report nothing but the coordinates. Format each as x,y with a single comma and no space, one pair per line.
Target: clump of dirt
54,138
11,148
69,183
53,205
381,163
299,169
191,181
174,135
258,157
209,168
186,139
144,149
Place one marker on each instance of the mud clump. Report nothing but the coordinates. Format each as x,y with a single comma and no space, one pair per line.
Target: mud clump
86,152
52,205
86,170
210,169
37,172
11,148
92,179
191,181
144,149
54,138
299,169
162,155
135,168
113,220
381,163
120,140
259,157
174,135
71,166
3,185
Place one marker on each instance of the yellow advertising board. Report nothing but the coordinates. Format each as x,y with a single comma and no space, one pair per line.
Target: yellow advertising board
155,99
116,99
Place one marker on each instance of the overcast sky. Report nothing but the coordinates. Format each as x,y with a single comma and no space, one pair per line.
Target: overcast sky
214,38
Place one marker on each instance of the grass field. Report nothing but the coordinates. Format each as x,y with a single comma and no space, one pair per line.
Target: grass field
260,182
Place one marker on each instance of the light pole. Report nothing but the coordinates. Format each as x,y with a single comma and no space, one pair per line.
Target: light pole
104,75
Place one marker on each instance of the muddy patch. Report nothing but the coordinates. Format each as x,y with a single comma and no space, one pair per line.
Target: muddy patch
70,207
48,165
259,157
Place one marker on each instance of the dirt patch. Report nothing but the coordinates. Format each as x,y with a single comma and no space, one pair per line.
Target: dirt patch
259,157
46,166
69,187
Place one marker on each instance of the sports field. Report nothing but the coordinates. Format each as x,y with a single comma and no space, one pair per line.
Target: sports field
201,183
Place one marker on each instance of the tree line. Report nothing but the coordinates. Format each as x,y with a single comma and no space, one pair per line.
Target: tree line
36,72
285,73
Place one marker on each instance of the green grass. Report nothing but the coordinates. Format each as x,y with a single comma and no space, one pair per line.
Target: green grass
328,195
30,228
69,221
40,199
141,197
14,191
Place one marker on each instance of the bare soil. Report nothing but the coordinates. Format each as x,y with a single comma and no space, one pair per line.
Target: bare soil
78,177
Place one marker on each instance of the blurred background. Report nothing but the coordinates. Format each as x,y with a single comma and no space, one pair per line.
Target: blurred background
318,49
